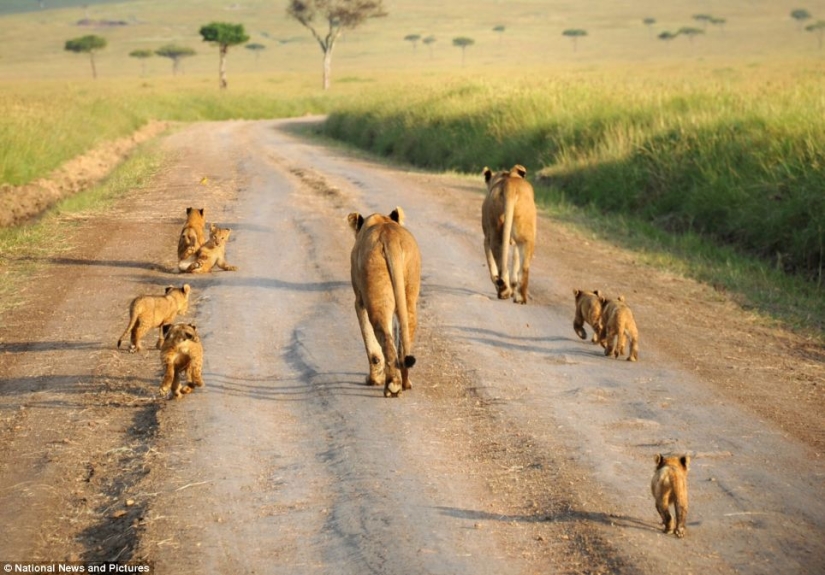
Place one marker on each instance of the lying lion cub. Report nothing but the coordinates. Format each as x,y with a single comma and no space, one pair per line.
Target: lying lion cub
669,487
213,252
181,352
588,310
150,311
386,276
618,323
191,237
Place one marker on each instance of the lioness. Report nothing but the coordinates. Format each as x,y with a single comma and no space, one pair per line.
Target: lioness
212,253
182,351
191,237
669,487
508,216
617,323
149,311
588,310
386,277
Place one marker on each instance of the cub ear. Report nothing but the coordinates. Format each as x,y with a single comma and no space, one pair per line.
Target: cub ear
355,220
488,174
519,169
168,289
577,292
186,289
188,211
397,215
685,461
597,293
620,298
201,211
212,227
658,459
166,327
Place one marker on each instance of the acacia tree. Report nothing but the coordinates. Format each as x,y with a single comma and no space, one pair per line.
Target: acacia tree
462,42
819,28
142,55
176,54
719,22
414,38
668,36
500,29
649,22
574,34
224,35
327,19
800,15
429,41
257,48
87,45
703,19
690,32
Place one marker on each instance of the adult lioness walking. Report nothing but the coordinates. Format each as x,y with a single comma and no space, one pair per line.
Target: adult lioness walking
386,278
508,216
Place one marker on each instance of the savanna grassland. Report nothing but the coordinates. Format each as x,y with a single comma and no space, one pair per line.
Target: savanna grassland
704,153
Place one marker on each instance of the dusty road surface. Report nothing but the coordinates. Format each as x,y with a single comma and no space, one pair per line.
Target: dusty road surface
520,448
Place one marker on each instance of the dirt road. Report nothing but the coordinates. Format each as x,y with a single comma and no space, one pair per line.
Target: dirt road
520,448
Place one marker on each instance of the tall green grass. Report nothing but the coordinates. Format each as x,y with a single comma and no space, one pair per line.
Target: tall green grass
47,123
736,155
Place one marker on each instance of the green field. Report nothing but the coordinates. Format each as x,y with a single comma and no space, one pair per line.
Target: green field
706,153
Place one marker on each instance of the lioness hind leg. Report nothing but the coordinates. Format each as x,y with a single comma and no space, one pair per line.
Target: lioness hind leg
664,512
375,356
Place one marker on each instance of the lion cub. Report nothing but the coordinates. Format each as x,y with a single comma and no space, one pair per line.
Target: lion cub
191,237
618,323
150,311
182,351
213,252
588,310
669,487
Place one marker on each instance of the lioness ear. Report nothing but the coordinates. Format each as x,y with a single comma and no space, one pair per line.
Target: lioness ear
487,174
658,459
521,170
576,292
597,293
355,220
188,211
397,215
201,211
685,461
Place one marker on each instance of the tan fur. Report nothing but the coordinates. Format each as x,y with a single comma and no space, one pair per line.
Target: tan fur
191,237
182,351
213,252
150,311
669,487
618,324
386,277
508,217
588,310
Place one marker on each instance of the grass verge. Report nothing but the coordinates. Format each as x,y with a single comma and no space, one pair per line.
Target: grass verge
22,246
